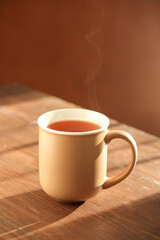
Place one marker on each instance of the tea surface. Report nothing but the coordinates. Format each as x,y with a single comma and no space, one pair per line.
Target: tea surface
73,126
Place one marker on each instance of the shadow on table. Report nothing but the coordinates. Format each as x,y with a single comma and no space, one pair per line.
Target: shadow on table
135,221
24,213
13,93
36,215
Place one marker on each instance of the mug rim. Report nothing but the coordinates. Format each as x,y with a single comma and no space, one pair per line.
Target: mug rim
101,129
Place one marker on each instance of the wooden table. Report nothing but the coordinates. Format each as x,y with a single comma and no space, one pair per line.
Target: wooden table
129,210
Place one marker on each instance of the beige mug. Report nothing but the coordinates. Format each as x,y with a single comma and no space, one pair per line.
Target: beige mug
73,165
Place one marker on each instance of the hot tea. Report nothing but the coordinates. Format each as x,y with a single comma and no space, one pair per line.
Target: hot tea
73,126
73,160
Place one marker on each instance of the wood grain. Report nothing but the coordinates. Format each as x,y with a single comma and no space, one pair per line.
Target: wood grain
130,210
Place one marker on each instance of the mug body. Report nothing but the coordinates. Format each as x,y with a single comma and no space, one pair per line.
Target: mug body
72,165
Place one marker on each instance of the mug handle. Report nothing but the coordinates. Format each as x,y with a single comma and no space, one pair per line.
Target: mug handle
111,134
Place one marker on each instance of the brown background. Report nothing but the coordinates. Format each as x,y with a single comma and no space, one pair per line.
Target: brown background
104,55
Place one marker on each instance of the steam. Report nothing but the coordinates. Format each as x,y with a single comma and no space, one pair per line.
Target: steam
95,64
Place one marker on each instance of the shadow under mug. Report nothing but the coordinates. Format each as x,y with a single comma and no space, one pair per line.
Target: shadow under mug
73,165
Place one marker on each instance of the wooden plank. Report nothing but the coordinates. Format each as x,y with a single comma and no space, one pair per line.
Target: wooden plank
129,210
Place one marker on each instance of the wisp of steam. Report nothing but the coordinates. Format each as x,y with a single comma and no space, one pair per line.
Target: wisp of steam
96,63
